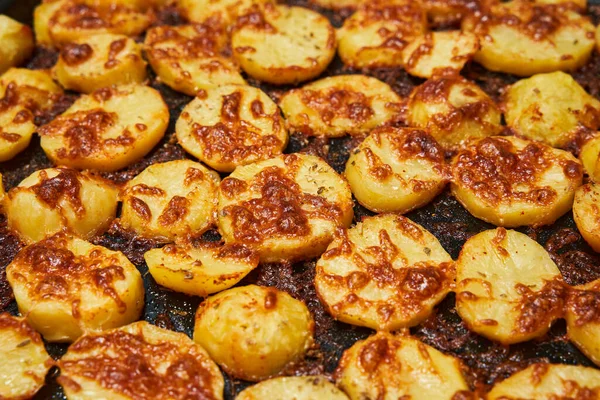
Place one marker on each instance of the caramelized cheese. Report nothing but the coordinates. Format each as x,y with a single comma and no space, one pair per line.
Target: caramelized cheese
32,89
583,319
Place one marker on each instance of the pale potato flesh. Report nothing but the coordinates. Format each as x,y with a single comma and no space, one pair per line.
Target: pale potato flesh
590,157
17,43
586,213
293,387
32,89
16,130
583,319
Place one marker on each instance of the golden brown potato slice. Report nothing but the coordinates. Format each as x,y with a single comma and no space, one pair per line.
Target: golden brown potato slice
16,128
447,12
139,361
549,382
108,129
170,200
586,213
24,362
100,61
583,319
280,44
508,289
339,4
17,43
454,110
581,4
287,208
396,169
254,332
230,126
590,157
512,182
54,199
66,287
221,11
523,38
32,89
190,58
385,273
550,108
389,367
340,105
293,387
376,34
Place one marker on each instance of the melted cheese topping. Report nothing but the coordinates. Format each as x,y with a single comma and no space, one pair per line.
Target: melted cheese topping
32,89
583,319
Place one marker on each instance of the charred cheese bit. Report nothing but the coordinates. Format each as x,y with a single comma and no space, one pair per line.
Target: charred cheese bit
385,273
221,11
24,362
66,287
200,270
549,382
230,126
287,208
340,105
32,89
17,43
389,367
439,52
16,128
170,200
508,288
254,332
396,169
293,387
108,129
586,213
54,199
139,361
523,38
191,58
590,157
583,319
376,34
280,44
512,182
550,108
454,110
100,61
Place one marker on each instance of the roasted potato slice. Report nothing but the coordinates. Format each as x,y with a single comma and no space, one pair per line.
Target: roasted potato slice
293,387
221,11
447,12
139,361
512,182
396,169
230,126
586,213
508,288
524,38
100,61
32,89
108,129
385,273
549,382
254,332
550,108
339,4
390,367
286,208
281,44
17,43
16,128
340,105
583,319
190,58
24,362
66,287
170,200
590,157
54,199
454,110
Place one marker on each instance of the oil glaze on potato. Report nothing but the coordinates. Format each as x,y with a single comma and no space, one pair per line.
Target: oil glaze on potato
586,213
253,332
293,387
583,319
17,43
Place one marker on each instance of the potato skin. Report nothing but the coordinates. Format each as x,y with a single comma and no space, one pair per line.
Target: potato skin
17,43
293,387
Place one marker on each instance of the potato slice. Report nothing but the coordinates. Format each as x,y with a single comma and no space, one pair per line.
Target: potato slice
139,361
376,34
170,200
253,332
385,273
107,130
390,367
66,287
54,199
590,157
340,105
339,4
508,288
586,213
17,43
447,12
24,362
550,108
512,182
221,11
454,110
523,38
549,382
286,208
230,126
583,319
190,58
16,128
32,89
396,169
280,44
293,387
100,61
581,4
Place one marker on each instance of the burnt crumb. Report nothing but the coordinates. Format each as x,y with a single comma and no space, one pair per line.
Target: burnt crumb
43,58
9,247
118,239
